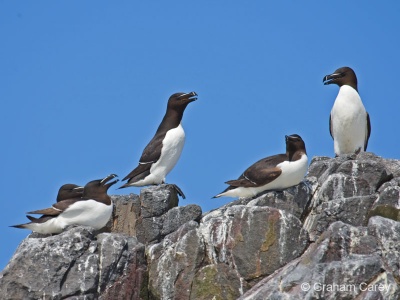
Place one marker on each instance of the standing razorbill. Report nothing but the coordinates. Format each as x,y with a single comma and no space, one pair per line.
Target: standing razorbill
349,123
162,153
94,209
275,172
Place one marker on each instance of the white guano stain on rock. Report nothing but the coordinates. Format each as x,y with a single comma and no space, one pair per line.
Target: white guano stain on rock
284,226
354,175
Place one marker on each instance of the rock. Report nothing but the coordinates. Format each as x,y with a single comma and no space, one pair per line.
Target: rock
387,202
159,215
353,210
240,241
72,263
254,241
174,262
152,215
178,216
346,190
126,213
216,282
128,258
366,171
342,264
151,230
387,233
157,200
336,235
148,230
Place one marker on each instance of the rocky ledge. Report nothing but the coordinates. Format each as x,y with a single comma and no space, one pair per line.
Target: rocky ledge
334,236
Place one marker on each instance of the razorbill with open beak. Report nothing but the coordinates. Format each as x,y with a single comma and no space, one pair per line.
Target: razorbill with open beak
162,153
94,209
349,123
275,172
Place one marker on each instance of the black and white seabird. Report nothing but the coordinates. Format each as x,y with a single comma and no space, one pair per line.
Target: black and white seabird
275,172
162,153
349,123
94,209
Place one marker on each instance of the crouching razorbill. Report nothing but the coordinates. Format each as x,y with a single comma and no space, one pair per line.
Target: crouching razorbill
275,172
93,209
349,123
163,151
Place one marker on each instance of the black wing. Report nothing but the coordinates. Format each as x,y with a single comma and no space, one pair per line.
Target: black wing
150,155
152,152
56,208
368,133
140,172
42,219
260,173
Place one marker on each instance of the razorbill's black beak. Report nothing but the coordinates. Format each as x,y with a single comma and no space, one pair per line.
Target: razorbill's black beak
105,181
328,79
78,189
192,96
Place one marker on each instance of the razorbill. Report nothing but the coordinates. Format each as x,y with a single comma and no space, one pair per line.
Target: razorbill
275,172
163,151
94,209
349,123
66,191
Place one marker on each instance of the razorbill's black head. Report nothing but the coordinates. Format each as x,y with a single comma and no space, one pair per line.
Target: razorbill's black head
342,76
349,123
97,189
295,147
93,209
163,151
69,191
275,172
179,101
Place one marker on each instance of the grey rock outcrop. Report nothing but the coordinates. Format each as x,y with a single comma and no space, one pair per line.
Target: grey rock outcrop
72,264
334,236
82,264
345,263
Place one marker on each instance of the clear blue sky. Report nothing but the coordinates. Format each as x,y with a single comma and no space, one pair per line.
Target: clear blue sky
84,85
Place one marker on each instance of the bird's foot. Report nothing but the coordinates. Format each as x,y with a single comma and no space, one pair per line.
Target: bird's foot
353,156
179,191
348,156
